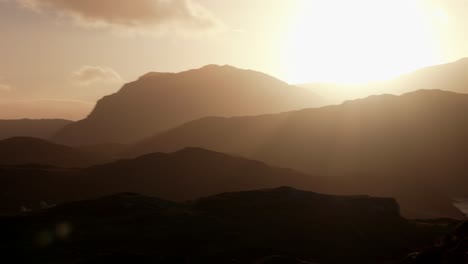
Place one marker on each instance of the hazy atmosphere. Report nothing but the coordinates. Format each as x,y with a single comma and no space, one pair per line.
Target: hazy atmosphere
82,50
234,131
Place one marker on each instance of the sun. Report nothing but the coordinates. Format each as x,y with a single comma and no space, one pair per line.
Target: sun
359,41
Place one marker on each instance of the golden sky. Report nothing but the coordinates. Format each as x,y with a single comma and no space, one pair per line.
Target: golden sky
83,50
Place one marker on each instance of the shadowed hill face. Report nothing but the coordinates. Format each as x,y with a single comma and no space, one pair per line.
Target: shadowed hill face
229,228
25,150
159,101
44,128
411,147
183,175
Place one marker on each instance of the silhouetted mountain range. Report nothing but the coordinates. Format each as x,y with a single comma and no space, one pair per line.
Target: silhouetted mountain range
244,227
25,150
412,147
159,101
38,128
183,175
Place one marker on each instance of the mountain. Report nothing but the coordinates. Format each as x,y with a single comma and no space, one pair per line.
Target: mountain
258,226
25,150
183,175
412,147
448,77
38,128
159,101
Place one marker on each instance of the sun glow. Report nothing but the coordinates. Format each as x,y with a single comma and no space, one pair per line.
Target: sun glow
360,41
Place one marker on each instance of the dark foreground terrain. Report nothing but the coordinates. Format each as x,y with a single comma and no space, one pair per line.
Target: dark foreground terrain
281,225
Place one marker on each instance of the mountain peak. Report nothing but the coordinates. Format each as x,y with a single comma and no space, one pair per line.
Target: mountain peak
154,75
159,101
217,66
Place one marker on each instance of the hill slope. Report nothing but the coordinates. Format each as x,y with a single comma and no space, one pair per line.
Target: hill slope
411,146
159,101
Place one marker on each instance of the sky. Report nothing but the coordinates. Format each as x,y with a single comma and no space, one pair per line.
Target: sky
78,51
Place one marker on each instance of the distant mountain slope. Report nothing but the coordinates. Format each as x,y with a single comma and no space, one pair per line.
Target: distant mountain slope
448,77
25,150
38,128
451,77
183,175
159,101
243,227
410,147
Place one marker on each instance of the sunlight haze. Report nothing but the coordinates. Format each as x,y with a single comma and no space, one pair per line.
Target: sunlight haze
61,50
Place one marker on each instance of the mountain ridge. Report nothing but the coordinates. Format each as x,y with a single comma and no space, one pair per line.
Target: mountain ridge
159,101
379,141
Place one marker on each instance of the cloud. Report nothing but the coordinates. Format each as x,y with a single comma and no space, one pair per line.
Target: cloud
5,87
87,75
132,16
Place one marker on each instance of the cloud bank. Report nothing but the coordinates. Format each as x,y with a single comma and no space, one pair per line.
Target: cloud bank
132,16
87,75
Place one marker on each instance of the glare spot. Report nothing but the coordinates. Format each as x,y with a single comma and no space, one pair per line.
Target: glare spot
63,230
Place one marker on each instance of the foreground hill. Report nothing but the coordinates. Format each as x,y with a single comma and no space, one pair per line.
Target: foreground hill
452,248
244,227
158,101
38,128
26,150
412,147
183,175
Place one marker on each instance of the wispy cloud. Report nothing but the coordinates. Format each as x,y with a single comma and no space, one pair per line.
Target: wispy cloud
87,75
132,16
